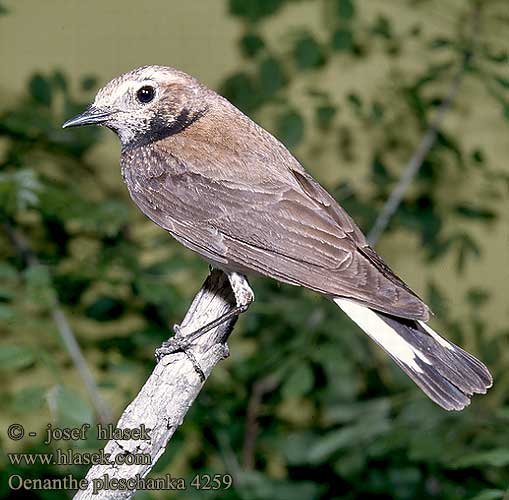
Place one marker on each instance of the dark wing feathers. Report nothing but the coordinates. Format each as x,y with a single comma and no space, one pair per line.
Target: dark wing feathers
452,376
316,192
289,228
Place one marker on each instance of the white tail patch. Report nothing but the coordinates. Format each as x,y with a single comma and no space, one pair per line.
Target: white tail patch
437,337
383,334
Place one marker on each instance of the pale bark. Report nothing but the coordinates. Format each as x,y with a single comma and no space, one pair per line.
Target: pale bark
164,400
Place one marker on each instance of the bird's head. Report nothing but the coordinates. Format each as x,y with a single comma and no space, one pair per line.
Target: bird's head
146,104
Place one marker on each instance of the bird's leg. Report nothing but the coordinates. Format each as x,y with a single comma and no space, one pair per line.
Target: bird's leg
244,296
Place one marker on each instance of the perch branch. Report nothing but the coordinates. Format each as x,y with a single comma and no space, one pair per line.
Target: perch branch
169,392
428,139
24,250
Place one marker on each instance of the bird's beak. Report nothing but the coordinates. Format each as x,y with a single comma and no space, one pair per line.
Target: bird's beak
91,116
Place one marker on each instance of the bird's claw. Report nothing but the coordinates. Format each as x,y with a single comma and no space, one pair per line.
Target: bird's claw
178,343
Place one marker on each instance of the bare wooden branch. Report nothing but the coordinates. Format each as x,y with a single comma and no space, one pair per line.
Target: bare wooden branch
167,395
429,138
25,252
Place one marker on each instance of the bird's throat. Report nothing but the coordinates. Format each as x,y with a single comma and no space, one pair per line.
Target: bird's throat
160,127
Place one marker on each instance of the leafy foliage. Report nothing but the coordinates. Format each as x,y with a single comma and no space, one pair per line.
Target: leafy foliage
337,420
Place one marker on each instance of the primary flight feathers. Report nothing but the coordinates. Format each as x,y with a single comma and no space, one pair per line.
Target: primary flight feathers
229,190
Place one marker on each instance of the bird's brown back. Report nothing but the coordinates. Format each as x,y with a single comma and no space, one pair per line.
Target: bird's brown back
229,190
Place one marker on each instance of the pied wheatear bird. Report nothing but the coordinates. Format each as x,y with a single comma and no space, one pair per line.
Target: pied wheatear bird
227,189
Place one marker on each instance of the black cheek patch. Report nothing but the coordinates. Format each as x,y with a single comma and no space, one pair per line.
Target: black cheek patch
162,126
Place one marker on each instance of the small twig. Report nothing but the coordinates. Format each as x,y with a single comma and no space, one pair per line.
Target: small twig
428,140
22,246
260,388
164,400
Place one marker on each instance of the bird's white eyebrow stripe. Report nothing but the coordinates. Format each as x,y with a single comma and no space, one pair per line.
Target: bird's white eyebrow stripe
113,93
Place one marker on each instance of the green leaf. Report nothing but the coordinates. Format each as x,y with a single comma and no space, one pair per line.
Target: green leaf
471,212
13,357
393,49
467,247
145,495
447,142
440,43
40,89
342,39
299,382
59,80
72,410
251,44
7,313
501,100
345,147
319,94
478,296
106,217
380,173
415,30
105,309
19,190
7,272
152,289
308,53
39,285
110,215
382,27
377,112
241,91
254,485
296,445
271,76
324,115
29,399
350,463
421,215
490,494
70,287
432,73
345,9
478,156
290,128
347,437
498,457
354,412
437,300
355,102
88,82
254,10
503,82
501,57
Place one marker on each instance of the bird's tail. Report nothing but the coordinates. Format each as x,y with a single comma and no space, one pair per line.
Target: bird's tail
445,372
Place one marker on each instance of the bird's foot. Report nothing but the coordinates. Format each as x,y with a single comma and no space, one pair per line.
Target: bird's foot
179,343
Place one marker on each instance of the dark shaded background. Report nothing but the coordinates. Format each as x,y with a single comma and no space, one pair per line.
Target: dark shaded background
306,407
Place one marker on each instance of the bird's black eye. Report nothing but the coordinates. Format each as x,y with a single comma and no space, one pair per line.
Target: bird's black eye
146,94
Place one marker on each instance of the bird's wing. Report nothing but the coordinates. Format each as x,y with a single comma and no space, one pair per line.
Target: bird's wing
285,227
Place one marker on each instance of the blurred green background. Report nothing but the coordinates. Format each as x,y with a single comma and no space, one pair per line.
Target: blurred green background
306,407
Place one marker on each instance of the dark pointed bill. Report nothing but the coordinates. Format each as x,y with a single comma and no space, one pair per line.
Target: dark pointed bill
91,116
